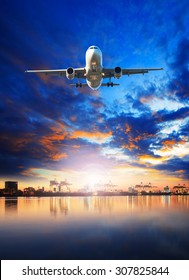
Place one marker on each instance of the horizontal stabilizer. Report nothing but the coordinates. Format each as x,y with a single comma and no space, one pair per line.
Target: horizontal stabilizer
78,85
102,85
109,85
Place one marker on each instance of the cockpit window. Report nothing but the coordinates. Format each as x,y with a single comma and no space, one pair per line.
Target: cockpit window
93,47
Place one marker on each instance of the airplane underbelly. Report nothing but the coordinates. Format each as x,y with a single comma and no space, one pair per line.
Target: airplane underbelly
94,81
94,68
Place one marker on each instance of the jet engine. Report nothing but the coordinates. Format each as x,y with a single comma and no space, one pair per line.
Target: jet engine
70,73
117,72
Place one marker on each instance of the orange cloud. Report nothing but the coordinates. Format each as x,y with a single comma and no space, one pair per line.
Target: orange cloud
127,128
52,149
170,143
97,136
132,141
58,134
130,146
57,156
151,160
52,143
48,140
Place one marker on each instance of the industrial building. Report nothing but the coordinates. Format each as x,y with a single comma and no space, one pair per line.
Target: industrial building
11,187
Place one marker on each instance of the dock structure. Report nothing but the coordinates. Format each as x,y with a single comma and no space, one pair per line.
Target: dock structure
180,189
144,188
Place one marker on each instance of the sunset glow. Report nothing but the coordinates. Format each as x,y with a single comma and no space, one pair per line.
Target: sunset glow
137,132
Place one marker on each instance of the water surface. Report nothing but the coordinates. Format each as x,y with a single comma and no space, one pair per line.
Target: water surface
143,227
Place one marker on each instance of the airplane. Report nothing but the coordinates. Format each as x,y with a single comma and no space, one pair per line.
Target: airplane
94,72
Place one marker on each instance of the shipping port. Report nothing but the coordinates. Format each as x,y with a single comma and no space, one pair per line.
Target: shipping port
65,188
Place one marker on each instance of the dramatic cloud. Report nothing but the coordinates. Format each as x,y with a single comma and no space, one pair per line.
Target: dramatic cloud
138,129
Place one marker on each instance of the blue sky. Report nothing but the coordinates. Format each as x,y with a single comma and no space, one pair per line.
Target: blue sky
137,132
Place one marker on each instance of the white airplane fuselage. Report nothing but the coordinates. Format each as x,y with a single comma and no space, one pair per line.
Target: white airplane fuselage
94,67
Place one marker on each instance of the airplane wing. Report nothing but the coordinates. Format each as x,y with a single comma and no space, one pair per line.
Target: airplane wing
109,72
79,72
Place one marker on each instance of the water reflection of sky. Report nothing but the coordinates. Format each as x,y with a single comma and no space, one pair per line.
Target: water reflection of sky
95,228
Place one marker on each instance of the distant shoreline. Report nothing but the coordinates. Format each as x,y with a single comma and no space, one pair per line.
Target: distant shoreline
79,194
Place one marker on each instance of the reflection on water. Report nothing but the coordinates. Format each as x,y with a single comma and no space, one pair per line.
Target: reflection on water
116,204
11,205
122,227
59,205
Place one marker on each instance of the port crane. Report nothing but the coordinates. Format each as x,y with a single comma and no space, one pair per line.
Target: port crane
60,185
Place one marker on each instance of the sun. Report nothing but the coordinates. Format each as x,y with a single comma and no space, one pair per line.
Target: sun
93,177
